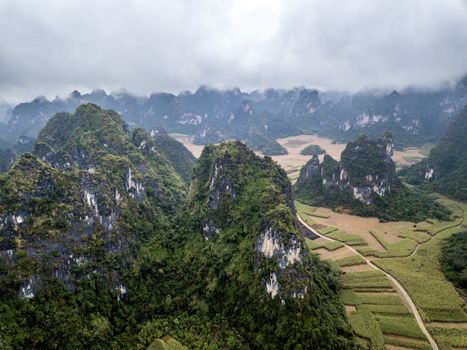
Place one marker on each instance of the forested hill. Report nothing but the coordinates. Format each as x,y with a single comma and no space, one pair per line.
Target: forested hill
103,246
365,181
445,168
259,117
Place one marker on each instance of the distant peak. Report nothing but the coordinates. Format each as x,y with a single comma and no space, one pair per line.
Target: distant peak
75,94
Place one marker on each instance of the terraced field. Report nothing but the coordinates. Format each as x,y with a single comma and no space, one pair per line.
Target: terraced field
378,311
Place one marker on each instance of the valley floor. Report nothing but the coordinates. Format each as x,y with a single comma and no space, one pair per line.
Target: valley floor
293,161
394,291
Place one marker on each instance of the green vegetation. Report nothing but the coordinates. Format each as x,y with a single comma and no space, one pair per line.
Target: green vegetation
405,326
404,247
381,318
350,260
166,343
445,168
407,342
449,338
106,251
365,325
326,230
266,145
312,150
453,259
181,158
346,238
422,277
352,183
329,245
411,159
425,149
304,208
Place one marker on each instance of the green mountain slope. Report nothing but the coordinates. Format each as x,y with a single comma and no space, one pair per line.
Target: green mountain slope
73,216
179,156
248,269
102,246
365,180
446,166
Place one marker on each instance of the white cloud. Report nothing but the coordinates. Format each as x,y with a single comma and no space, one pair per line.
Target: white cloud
52,47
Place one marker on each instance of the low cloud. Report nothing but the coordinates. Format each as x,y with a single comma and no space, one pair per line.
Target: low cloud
52,47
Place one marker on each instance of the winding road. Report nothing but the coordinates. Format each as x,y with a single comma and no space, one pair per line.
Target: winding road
401,289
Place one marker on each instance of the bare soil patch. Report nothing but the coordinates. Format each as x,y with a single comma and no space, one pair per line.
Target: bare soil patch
376,293
357,268
458,325
397,347
349,309
187,141
362,226
406,339
398,156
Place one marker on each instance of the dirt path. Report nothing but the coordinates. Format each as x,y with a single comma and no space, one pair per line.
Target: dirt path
398,286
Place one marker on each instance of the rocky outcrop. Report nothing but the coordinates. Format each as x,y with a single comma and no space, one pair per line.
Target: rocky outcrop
445,167
81,184
229,180
366,170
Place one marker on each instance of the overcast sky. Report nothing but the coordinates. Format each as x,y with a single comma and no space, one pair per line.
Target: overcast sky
52,47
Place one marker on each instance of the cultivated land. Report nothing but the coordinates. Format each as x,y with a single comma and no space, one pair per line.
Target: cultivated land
293,161
392,311
187,141
378,310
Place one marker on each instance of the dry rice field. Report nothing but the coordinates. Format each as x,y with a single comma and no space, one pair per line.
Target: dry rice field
294,144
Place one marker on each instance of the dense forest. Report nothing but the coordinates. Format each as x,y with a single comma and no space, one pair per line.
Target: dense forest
453,259
103,246
365,181
445,168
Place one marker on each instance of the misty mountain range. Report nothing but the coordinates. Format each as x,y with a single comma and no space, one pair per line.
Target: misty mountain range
259,117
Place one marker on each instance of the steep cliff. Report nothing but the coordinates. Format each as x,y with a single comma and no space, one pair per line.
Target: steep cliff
102,246
85,193
445,168
179,156
364,180
252,268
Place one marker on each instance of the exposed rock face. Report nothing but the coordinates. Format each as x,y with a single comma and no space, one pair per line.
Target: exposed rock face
366,169
445,167
84,177
223,180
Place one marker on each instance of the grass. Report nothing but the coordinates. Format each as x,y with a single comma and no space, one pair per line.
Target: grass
368,285
425,149
407,343
404,247
451,337
304,208
322,216
350,261
365,325
376,314
387,310
329,245
411,159
420,236
346,238
420,274
382,318
304,212
404,326
326,230
378,299
367,280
